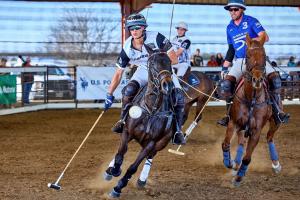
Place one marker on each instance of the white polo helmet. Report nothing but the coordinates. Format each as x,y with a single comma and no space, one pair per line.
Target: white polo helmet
182,25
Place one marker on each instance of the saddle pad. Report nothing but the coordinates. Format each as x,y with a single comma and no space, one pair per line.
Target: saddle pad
193,80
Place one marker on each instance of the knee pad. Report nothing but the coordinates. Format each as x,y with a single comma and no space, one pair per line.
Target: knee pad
274,81
131,89
227,88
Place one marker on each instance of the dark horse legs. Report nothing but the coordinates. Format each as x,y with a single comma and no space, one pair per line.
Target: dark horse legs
132,169
117,163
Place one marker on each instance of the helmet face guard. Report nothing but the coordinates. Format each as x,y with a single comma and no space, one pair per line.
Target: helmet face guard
135,20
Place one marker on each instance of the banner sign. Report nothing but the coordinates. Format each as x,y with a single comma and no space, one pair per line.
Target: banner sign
8,88
93,82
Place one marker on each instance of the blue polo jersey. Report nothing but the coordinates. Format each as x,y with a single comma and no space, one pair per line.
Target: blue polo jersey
236,35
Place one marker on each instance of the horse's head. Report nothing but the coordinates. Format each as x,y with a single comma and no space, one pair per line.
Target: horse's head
255,61
160,72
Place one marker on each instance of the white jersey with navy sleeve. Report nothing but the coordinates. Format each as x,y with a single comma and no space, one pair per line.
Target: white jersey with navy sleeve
130,55
184,43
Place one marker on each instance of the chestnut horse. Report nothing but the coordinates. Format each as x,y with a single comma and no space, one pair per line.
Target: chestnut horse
151,121
250,112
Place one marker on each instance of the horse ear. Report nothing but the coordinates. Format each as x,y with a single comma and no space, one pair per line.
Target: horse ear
248,40
262,39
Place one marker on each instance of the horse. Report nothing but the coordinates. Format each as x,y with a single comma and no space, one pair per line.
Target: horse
249,113
151,119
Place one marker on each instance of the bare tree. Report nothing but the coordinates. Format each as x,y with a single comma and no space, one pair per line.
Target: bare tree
83,35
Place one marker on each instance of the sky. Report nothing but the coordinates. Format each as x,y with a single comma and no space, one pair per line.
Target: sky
26,25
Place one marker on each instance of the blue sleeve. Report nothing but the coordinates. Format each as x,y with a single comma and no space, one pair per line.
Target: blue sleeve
229,40
123,59
163,43
256,26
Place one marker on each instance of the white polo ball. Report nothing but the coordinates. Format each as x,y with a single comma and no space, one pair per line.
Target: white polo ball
135,112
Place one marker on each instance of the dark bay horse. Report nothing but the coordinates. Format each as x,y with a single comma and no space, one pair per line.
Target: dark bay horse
249,113
151,120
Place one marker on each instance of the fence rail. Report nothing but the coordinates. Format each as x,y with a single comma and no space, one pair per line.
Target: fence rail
57,84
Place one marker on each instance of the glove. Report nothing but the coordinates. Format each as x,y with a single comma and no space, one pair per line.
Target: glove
108,101
224,72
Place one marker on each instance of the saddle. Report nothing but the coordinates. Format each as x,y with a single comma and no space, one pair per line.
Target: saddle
166,117
189,78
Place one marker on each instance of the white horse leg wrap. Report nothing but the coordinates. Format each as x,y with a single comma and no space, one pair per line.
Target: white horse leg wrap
112,163
146,169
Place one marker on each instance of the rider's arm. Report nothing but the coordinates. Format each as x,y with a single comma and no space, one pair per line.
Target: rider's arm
165,45
184,45
123,61
259,30
261,34
229,56
115,80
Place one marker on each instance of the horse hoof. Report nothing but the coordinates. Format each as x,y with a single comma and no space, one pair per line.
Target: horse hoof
236,183
140,184
111,171
114,194
276,168
234,172
116,174
107,176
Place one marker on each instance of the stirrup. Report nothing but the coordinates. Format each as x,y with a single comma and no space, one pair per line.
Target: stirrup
224,121
178,138
284,117
118,127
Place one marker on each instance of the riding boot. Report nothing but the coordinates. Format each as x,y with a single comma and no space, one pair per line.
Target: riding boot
227,90
274,91
118,127
179,113
225,120
129,93
278,114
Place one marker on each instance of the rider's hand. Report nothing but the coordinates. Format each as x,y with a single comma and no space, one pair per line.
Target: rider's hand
108,101
224,72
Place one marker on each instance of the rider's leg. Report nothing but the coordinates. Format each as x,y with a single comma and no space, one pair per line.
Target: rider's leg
274,91
128,92
179,113
228,86
227,90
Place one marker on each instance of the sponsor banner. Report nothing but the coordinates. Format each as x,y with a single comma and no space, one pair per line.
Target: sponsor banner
93,82
8,88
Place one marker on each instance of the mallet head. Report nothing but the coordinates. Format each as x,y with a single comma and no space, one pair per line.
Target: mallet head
54,186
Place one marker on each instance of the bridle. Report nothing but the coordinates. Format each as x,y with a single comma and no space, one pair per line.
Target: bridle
157,76
248,75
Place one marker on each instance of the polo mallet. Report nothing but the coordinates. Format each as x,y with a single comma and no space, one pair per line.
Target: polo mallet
191,127
55,185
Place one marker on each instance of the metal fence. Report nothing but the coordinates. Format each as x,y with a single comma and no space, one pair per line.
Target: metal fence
57,84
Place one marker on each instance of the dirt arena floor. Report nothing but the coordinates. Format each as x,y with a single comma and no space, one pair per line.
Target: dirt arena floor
35,147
